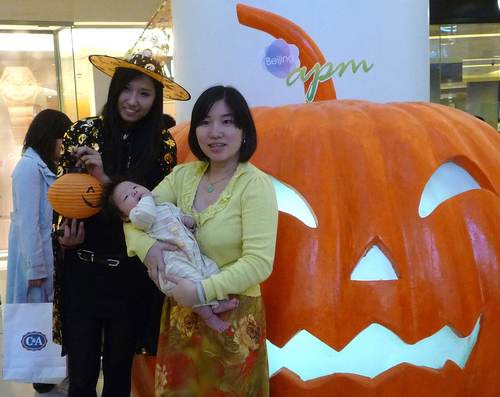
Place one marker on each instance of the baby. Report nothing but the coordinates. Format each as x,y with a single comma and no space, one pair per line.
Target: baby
166,222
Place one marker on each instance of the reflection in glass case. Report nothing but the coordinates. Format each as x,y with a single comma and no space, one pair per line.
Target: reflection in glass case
28,84
465,68
48,67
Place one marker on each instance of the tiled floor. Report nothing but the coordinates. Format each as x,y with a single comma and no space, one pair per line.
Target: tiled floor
12,389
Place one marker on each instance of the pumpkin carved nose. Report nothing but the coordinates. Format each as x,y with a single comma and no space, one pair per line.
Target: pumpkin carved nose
374,266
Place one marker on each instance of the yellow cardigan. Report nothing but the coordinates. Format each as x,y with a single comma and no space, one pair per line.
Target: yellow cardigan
238,232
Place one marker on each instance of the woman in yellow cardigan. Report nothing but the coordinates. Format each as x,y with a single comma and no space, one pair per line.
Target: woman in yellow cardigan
236,213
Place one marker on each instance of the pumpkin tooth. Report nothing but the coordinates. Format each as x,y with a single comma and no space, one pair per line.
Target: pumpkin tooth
373,351
457,332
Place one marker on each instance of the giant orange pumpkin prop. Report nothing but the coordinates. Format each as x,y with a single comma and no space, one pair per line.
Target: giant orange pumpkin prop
364,170
362,167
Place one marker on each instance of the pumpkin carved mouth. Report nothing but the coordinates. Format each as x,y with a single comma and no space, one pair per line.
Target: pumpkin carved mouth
372,352
87,202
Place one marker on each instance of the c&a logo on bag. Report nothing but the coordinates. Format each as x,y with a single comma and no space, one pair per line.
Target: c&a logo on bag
34,341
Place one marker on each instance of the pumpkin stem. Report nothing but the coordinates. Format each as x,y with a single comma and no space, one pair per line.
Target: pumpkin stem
282,28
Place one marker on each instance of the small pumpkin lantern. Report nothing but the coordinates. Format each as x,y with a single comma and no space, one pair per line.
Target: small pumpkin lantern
75,194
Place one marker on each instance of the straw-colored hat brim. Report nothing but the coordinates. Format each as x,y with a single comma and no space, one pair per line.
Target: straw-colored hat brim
108,65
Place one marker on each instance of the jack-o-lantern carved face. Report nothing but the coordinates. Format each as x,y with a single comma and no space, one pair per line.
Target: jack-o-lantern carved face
75,195
386,278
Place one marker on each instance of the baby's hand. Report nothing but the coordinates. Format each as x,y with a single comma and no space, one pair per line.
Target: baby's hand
146,194
188,221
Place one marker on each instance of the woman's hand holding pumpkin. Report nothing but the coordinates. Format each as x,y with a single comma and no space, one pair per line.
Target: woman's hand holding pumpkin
74,234
185,292
91,160
154,260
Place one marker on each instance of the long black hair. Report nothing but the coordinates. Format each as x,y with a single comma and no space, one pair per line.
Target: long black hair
242,119
144,135
46,128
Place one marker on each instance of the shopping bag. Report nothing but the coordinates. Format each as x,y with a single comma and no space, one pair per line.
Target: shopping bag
29,355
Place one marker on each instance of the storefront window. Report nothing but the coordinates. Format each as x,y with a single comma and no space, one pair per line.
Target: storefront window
92,85
28,84
465,68
48,67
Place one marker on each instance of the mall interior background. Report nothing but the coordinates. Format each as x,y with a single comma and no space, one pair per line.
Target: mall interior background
44,49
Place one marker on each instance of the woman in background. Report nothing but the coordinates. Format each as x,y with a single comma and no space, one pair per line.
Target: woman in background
30,259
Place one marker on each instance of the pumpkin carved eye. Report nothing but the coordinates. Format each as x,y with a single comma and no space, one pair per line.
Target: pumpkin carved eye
447,181
293,203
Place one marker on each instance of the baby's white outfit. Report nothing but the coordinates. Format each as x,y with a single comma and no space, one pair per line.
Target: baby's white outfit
163,222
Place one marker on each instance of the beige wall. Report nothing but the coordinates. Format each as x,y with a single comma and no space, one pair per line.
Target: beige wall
78,10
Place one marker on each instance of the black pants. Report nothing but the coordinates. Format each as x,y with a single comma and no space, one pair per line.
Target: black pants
85,339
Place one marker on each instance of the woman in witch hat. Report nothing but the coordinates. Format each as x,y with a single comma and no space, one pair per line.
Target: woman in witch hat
103,297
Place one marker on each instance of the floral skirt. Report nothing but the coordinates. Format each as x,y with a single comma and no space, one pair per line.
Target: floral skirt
194,360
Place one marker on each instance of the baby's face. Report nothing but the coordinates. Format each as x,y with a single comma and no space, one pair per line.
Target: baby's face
127,195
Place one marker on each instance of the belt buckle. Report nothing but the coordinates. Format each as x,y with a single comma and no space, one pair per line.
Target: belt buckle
86,255
113,262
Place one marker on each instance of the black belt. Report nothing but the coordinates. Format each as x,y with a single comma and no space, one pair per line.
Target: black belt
91,256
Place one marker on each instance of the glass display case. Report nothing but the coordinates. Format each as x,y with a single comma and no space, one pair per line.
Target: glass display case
465,68
46,66
31,69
